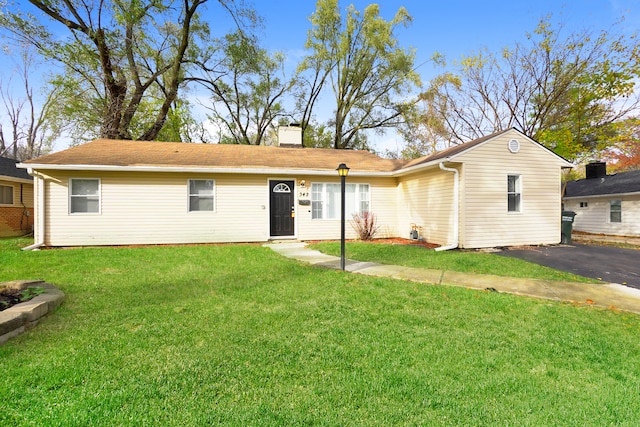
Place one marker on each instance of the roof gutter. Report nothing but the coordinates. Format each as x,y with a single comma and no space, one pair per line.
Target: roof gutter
39,231
417,168
587,196
15,179
195,169
456,208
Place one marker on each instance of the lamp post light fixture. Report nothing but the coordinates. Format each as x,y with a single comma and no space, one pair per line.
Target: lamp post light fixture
343,171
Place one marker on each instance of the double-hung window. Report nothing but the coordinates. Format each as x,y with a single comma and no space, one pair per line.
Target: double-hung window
514,193
6,195
615,210
325,200
201,195
84,195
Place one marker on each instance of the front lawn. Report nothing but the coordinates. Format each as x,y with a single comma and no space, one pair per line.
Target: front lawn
456,260
238,335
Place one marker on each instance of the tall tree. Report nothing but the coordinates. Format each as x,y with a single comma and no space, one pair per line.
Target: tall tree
369,73
31,119
563,92
115,54
247,85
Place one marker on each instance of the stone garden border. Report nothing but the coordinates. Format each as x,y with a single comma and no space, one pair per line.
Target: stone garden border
24,316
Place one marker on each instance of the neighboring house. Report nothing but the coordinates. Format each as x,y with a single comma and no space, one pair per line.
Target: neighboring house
500,190
605,204
16,199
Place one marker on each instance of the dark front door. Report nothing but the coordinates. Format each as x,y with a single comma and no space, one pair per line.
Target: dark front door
282,208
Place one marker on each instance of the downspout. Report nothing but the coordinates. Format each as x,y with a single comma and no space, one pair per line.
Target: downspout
39,231
456,208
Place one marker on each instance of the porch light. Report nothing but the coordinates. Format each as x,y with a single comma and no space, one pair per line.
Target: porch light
343,170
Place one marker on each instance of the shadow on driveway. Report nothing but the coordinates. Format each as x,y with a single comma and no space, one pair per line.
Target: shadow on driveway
606,263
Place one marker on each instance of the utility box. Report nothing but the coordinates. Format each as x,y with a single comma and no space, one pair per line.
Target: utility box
567,227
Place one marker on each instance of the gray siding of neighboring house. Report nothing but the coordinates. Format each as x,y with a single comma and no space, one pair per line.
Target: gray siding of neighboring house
595,217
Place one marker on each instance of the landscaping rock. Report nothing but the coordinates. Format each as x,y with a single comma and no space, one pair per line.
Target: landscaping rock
25,315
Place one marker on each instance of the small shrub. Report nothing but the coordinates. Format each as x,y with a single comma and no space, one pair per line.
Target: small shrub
365,225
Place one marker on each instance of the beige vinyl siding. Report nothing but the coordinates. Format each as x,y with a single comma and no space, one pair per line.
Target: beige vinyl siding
27,195
595,217
426,199
24,200
486,221
151,208
382,204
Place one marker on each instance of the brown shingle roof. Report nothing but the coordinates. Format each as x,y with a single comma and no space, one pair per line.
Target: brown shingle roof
106,152
8,169
118,153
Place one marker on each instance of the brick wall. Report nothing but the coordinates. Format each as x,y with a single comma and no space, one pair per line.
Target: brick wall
13,223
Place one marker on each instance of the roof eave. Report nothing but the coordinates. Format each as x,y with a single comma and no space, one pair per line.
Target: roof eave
16,179
192,169
564,163
421,166
633,193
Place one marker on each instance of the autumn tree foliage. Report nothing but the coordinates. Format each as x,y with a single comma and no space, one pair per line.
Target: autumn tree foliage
624,154
567,92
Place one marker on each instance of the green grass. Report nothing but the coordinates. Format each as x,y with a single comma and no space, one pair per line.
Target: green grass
240,336
455,260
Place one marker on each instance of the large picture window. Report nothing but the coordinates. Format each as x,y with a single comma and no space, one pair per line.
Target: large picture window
615,210
514,193
84,195
201,195
325,200
6,195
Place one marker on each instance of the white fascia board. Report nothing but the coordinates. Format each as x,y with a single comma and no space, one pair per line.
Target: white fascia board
186,169
418,168
564,163
14,179
602,196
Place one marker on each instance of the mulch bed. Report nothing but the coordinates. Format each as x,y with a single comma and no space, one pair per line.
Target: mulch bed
9,298
389,241
401,241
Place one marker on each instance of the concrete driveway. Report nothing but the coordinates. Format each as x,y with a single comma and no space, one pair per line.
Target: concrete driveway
606,263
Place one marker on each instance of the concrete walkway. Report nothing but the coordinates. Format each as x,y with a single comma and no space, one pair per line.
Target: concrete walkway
608,295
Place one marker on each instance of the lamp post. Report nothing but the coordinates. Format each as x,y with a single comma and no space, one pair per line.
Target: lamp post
343,171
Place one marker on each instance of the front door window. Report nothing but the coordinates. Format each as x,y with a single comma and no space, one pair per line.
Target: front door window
282,208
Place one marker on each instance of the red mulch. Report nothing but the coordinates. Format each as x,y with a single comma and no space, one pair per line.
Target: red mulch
389,241
401,241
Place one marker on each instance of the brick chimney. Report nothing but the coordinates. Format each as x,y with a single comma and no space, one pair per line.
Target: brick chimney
596,170
290,136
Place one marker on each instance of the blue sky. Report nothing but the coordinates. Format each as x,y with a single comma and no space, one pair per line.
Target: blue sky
451,27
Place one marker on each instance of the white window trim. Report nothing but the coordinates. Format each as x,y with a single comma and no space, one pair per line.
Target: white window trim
99,196
213,195
518,191
357,202
610,211
13,195
281,188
